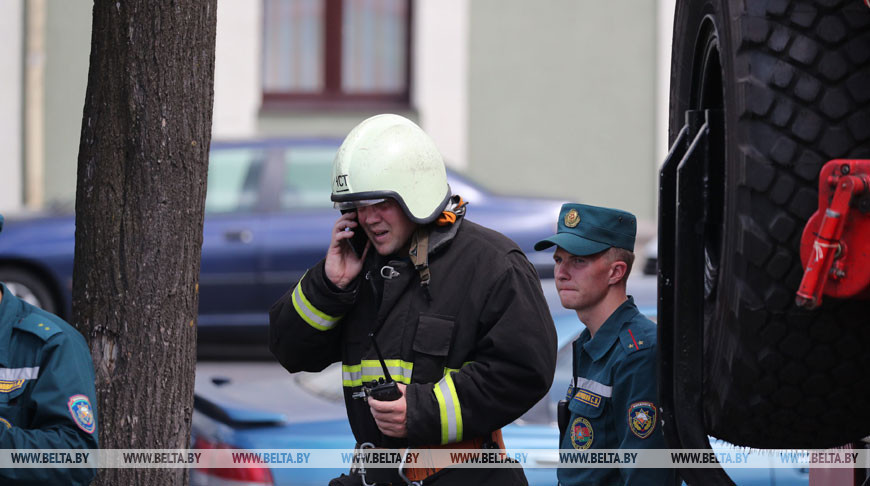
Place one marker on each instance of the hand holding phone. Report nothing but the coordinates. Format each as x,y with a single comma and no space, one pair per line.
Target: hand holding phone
359,240
343,266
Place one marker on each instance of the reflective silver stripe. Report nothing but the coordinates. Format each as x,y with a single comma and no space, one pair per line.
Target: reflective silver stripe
12,374
594,387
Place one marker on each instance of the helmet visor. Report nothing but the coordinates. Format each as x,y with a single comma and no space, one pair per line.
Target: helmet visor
352,205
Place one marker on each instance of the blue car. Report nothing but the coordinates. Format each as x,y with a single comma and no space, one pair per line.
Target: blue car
268,219
259,405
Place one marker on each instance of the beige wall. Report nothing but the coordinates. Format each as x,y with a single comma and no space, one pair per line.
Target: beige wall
237,69
11,48
440,75
67,50
562,100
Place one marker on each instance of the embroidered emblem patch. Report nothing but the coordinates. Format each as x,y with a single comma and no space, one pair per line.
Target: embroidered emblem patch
581,433
642,419
587,396
5,422
80,409
7,386
572,218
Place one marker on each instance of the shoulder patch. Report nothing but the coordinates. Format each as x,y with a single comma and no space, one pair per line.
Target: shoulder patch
42,324
642,419
82,415
5,422
632,341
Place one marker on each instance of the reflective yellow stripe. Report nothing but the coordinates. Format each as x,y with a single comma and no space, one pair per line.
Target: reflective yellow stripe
310,314
370,369
454,370
450,410
351,375
439,397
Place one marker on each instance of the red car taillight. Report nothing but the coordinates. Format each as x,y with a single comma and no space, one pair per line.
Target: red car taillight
249,476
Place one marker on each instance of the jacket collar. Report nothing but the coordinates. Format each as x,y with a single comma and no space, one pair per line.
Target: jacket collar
608,333
440,236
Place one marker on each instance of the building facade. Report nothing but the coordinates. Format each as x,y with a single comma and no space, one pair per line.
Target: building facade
548,98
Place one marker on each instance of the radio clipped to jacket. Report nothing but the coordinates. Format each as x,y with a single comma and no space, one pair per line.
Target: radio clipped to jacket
383,389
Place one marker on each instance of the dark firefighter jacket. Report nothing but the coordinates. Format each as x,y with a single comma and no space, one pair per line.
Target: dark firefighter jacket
47,397
475,357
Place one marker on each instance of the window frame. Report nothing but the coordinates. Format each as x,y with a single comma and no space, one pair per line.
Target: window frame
331,97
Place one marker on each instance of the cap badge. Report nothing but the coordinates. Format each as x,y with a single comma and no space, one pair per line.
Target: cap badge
572,219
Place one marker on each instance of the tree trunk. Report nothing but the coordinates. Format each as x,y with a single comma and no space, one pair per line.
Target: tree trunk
142,171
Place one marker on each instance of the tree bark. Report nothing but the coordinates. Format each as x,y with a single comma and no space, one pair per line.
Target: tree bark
142,171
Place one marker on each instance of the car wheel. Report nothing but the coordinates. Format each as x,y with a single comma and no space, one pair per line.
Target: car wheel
793,82
29,288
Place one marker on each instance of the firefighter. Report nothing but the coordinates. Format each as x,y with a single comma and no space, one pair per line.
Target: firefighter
47,397
611,401
456,309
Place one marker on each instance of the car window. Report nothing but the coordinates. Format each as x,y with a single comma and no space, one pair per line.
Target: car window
233,179
307,178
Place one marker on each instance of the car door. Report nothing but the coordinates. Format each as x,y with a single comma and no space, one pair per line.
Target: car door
233,239
299,231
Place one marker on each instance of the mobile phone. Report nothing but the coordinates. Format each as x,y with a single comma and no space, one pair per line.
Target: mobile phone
359,240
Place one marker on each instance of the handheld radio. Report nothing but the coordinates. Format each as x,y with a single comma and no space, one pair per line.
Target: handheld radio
383,389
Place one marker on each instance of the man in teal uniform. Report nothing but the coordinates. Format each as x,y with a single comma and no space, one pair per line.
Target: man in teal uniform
613,395
47,397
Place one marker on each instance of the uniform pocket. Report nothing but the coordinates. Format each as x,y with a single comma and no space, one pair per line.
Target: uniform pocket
10,409
431,346
586,428
587,404
11,390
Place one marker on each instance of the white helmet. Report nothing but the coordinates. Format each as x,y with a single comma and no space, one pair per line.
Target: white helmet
389,156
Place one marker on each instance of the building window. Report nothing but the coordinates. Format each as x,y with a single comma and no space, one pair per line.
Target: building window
336,52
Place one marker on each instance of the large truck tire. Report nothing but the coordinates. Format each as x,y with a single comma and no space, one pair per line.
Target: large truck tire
793,81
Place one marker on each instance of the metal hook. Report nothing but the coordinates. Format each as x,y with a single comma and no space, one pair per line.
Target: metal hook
402,472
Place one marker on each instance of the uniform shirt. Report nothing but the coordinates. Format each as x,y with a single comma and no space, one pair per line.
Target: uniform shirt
47,397
613,400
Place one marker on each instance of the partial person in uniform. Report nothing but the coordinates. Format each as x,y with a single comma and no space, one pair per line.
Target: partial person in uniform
611,402
456,309
47,396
